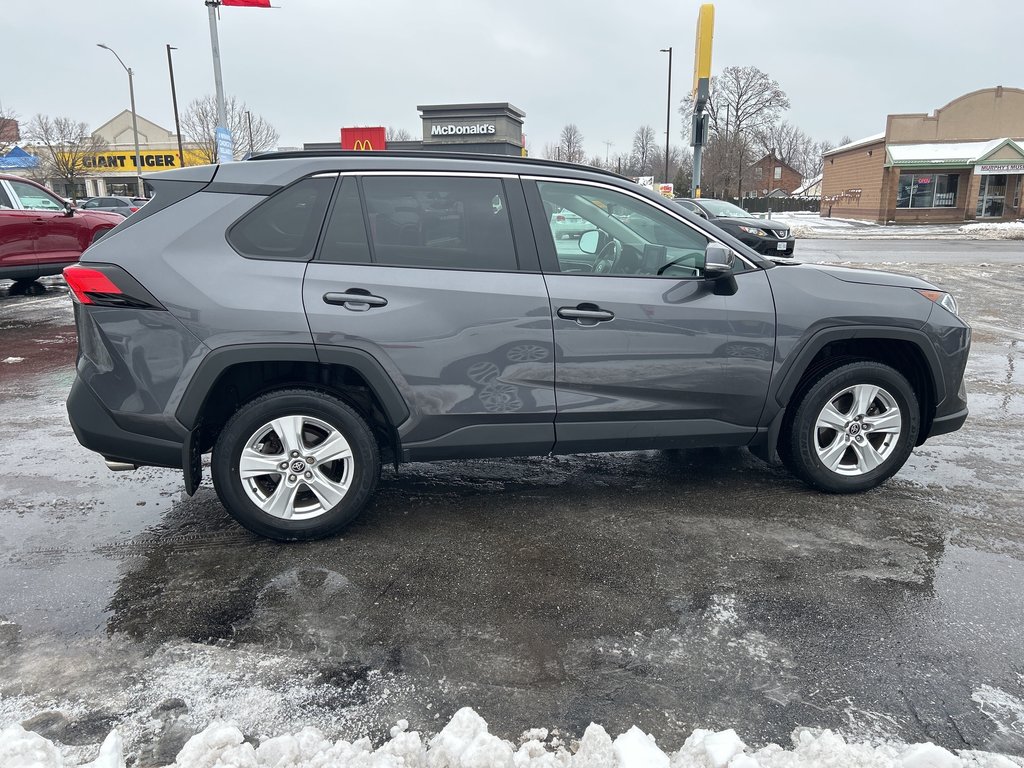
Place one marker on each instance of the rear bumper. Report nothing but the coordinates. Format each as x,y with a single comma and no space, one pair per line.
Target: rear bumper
96,430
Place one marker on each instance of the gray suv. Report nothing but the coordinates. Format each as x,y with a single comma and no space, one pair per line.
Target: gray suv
309,316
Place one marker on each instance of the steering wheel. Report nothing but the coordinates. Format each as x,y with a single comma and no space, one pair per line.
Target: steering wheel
608,259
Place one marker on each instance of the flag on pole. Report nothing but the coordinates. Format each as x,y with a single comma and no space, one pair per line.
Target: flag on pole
247,3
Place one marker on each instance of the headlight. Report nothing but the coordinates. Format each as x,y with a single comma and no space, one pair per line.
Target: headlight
754,231
941,298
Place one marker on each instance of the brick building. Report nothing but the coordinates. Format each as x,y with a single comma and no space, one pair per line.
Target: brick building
771,173
964,161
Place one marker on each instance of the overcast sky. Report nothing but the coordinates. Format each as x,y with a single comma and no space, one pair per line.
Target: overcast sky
312,66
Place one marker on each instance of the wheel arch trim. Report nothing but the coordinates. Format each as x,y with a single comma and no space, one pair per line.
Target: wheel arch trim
191,405
800,360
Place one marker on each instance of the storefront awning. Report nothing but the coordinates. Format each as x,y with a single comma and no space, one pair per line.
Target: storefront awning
960,154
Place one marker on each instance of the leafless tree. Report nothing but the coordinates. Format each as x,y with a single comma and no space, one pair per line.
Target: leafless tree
397,134
552,151
199,123
9,136
678,159
597,161
570,144
644,147
745,102
62,146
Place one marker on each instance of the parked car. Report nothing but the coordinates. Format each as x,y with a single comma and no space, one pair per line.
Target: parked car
566,224
309,316
763,235
122,205
40,233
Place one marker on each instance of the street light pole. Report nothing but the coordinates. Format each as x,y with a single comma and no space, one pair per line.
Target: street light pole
668,109
135,122
218,80
248,119
174,100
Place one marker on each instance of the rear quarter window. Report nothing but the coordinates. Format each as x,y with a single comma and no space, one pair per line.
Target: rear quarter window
285,226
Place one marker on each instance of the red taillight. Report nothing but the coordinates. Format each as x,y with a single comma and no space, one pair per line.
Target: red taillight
560,218
133,210
82,281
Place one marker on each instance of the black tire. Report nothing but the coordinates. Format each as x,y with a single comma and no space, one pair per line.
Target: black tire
253,416
801,440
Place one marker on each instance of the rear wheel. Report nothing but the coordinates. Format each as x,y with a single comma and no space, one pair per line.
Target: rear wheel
853,428
295,464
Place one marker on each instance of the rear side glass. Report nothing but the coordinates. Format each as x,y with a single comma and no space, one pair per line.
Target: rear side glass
439,221
285,226
5,201
345,239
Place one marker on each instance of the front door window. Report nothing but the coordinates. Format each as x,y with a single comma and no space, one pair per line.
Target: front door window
992,196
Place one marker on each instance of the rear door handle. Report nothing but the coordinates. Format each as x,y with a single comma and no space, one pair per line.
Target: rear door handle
585,312
355,300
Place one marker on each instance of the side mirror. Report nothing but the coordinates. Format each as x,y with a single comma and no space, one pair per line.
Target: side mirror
589,241
69,209
718,261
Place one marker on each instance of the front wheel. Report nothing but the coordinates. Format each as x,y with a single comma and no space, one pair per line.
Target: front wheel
852,429
295,464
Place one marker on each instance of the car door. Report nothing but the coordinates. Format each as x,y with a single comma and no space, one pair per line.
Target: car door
424,274
59,238
648,352
17,237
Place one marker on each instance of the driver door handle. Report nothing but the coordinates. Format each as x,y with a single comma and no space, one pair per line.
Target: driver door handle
585,312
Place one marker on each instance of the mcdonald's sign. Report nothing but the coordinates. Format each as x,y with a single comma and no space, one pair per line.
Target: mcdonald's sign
364,139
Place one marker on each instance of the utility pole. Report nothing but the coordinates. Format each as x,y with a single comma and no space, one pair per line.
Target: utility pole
607,146
248,120
174,101
225,149
668,108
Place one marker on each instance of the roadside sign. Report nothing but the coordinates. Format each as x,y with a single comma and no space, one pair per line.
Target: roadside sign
702,53
225,145
666,190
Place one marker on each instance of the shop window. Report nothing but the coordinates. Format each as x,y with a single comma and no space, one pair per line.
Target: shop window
991,196
927,190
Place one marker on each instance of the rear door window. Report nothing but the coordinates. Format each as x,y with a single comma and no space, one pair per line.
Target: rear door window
287,225
442,222
345,240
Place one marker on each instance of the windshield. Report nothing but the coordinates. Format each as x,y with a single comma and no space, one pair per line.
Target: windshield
722,208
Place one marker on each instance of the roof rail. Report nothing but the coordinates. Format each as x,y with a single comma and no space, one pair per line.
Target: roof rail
420,153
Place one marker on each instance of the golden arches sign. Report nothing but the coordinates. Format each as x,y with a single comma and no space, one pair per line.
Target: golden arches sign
363,145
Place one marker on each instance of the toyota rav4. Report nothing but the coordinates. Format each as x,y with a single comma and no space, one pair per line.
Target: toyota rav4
308,316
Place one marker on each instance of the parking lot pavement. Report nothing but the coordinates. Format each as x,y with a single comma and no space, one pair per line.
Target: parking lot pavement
671,590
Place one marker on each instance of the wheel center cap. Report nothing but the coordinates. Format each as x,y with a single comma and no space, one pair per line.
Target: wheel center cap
298,466
854,429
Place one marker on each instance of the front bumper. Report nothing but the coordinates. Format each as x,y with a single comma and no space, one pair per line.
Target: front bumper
770,246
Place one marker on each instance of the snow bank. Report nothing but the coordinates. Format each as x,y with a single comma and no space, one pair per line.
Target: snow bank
465,742
1002,230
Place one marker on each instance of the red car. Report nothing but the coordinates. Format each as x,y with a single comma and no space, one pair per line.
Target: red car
40,233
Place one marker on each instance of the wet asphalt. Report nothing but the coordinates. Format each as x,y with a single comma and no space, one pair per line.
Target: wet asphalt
671,590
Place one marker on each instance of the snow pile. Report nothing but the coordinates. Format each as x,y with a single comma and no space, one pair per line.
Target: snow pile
1001,230
465,742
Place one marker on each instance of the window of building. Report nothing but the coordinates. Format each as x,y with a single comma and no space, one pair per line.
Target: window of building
345,240
758,171
777,172
439,221
927,190
286,225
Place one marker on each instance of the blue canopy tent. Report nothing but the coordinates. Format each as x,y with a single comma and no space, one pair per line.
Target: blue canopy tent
18,158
